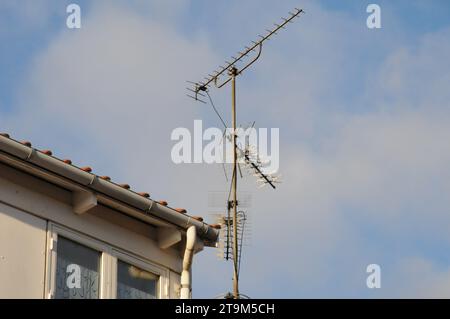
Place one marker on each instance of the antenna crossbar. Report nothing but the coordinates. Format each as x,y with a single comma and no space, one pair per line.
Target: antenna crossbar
255,47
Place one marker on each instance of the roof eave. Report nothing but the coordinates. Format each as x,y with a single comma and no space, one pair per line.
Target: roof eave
69,173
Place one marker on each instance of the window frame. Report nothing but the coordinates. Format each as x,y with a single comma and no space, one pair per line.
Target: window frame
161,272
108,263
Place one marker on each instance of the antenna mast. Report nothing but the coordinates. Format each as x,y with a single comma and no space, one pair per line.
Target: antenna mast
220,78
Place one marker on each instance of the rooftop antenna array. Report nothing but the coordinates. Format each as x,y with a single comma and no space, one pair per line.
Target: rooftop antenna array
199,92
216,201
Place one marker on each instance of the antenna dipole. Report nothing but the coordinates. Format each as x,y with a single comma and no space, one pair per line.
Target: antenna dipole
220,78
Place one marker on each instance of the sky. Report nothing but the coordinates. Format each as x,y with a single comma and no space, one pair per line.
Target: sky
363,117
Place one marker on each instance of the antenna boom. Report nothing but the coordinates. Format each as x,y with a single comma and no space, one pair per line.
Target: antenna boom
202,86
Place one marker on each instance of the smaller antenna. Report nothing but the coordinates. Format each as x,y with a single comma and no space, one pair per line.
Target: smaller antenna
216,201
253,161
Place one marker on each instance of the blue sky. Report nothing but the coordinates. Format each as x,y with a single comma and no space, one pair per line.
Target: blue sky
363,117
24,39
25,35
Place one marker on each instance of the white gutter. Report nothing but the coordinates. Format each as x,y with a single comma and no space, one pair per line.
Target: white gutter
147,206
186,274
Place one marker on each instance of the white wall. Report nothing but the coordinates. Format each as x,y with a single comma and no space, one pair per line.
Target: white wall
22,254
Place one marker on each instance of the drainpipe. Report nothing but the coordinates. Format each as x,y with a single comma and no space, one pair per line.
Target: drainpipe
186,275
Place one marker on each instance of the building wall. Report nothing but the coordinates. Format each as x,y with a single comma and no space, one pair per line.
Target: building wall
29,205
22,254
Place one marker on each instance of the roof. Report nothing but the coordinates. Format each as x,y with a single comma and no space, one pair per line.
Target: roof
44,164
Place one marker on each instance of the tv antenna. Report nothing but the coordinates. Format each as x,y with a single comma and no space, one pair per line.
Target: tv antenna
199,92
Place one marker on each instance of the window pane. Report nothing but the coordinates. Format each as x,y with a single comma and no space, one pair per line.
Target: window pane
135,283
77,271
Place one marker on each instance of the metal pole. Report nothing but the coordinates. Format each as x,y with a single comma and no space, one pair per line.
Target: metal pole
233,73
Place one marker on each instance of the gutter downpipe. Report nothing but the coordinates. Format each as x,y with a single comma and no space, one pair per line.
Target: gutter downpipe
186,274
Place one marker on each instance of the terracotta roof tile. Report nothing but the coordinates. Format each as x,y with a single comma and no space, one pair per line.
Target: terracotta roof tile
26,143
107,178
146,195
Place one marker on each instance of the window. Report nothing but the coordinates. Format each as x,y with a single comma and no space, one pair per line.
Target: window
77,271
81,267
135,283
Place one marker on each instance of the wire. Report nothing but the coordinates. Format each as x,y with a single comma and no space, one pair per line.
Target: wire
215,110
231,186
238,254
228,219
242,240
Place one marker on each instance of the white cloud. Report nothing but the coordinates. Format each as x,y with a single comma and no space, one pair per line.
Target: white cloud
419,277
120,78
